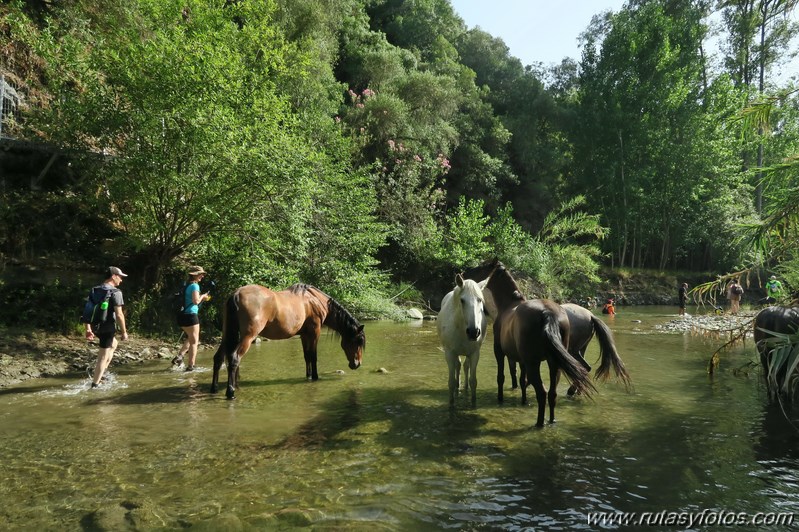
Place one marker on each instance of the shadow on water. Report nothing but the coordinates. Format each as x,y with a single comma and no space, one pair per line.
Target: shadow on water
777,434
169,394
42,384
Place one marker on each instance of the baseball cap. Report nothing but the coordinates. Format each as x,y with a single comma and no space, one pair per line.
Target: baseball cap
113,270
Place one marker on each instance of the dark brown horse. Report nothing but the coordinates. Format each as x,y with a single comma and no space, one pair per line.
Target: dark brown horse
781,320
529,332
255,310
583,326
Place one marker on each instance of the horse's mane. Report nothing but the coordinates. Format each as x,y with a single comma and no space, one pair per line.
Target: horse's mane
348,325
502,282
345,323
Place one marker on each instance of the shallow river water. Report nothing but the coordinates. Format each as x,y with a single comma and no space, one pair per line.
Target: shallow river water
369,450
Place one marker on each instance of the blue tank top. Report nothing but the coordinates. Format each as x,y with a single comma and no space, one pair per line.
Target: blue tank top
188,301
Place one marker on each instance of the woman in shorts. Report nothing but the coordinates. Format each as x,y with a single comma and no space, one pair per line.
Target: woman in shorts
188,319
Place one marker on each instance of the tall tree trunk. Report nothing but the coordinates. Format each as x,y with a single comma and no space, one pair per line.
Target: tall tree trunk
623,199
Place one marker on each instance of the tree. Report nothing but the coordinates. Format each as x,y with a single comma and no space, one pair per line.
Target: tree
200,145
650,143
759,32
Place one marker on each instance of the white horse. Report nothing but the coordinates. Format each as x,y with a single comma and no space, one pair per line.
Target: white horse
462,329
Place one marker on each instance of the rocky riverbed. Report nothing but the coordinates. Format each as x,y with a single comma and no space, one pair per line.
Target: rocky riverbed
26,356
710,323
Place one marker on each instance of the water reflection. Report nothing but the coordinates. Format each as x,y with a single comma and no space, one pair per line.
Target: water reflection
385,451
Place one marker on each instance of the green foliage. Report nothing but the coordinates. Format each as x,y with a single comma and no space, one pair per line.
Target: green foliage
784,360
355,143
466,234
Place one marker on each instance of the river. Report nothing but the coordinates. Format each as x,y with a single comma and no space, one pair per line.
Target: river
371,450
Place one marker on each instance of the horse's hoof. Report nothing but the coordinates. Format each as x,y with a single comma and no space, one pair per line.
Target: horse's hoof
213,389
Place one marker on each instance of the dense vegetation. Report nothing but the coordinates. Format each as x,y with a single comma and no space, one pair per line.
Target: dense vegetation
365,146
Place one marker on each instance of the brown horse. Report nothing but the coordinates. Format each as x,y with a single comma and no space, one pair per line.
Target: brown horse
781,320
529,332
254,310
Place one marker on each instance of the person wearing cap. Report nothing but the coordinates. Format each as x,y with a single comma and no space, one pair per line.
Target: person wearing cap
188,319
609,307
106,332
773,290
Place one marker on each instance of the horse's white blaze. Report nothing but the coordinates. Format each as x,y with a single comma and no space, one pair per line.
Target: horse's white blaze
462,329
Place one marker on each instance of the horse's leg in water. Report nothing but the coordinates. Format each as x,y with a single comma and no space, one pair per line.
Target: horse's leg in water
219,357
523,383
471,373
500,356
454,366
554,377
233,361
309,342
514,382
534,375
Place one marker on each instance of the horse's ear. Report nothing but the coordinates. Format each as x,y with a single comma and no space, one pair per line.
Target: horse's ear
360,329
459,280
482,284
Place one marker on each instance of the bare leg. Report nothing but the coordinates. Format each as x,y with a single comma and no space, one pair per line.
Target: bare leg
104,357
190,345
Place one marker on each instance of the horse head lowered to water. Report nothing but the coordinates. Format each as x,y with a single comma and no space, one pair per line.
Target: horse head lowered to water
254,310
462,329
529,332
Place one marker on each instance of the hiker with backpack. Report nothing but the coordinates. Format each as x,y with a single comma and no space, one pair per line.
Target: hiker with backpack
188,319
734,293
102,315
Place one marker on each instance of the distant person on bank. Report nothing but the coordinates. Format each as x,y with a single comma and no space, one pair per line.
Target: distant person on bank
106,331
734,293
682,296
773,290
189,319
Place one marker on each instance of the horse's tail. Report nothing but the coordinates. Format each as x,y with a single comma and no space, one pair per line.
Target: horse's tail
608,354
230,325
575,372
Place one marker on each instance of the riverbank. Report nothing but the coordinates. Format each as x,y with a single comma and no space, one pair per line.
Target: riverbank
33,354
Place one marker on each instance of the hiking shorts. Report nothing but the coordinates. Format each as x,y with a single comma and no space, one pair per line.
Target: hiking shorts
187,320
106,339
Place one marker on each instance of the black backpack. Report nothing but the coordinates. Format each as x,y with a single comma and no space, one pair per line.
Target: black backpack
178,302
97,307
